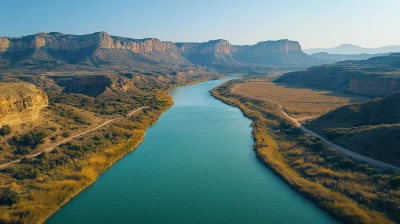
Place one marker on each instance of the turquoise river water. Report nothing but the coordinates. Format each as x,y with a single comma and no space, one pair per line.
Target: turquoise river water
195,165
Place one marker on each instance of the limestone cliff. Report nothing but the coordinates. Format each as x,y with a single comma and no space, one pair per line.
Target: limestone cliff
280,52
100,50
211,53
210,47
59,41
20,102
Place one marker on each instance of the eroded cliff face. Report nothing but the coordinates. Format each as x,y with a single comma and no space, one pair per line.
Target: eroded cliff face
58,41
20,102
373,87
96,84
280,46
101,49
213,46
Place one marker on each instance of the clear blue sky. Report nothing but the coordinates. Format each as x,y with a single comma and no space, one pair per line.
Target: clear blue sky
314,23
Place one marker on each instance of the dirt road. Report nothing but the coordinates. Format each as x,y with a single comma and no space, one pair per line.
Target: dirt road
74,136
339,148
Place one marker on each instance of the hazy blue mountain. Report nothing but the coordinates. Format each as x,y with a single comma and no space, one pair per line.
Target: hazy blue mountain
354,49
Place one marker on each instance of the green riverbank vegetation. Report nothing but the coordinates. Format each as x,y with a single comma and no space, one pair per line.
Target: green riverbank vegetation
352,191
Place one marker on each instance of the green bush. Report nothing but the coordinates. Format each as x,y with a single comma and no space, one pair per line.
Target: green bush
25,171
395,182
22,150
5,130
8,197
346,164
317,146
30,139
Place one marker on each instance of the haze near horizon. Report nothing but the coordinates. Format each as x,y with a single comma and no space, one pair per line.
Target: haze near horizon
315,24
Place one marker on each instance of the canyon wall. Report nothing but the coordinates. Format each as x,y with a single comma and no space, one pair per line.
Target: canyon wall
58,41
20,102
103,49
94,85
210,47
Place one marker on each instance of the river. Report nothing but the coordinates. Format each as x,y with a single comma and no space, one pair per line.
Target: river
195,165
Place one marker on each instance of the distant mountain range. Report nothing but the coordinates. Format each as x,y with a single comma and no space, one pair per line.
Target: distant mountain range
354,49
57,51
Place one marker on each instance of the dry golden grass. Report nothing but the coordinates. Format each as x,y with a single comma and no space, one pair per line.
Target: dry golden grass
351,195
66,181
55,120
298,102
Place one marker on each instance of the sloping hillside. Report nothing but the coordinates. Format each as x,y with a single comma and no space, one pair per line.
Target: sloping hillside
377,76
371,128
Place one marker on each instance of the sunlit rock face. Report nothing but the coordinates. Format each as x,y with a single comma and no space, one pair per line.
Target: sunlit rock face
20,102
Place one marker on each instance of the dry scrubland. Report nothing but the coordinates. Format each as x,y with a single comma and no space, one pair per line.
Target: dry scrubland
353,192
32,190
297,102
35,188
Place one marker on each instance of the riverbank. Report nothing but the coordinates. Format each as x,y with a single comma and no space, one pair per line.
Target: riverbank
195,165
352,194
60,179
71,179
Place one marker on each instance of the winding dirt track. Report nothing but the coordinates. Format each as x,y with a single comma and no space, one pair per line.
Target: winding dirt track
74,136
339,148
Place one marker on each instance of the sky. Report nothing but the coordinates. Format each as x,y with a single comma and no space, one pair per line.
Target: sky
314,23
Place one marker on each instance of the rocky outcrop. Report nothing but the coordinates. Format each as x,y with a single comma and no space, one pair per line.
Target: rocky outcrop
41,81
20,102
210,47
266,53
122,53
212,53
94,85
58,41
280,52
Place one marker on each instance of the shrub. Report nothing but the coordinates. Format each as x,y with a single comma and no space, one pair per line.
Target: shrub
5,130
23,150
24,172
317,146
8,197
346,164
289,128
395,182
53,138
366,169
30,139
